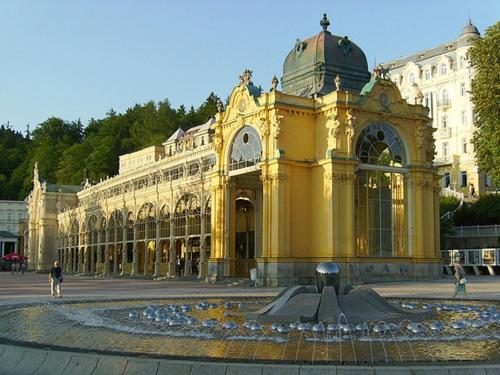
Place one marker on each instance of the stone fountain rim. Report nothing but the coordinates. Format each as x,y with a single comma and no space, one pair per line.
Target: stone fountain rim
19,345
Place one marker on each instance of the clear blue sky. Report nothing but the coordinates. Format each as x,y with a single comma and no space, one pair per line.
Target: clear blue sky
79,58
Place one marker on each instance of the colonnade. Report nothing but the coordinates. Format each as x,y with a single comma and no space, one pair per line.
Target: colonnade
152,243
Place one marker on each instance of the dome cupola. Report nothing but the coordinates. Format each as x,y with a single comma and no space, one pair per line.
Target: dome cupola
313,64
469,30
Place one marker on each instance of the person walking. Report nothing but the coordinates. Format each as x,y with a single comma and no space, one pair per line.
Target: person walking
55,280
460,282
12,268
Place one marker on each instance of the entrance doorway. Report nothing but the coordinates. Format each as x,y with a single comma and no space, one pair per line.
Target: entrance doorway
244,236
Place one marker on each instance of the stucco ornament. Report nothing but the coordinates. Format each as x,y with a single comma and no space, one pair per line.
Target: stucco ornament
345,45
246,77
350,128
333,125
380,72
264,128
275,125
274,83
220,106
36,175
218,139
425,141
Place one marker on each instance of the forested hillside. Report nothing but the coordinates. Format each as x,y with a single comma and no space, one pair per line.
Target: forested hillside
66,149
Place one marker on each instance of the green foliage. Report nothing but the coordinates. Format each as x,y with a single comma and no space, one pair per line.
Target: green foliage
13,149
485,211
485,59
64,150
447,204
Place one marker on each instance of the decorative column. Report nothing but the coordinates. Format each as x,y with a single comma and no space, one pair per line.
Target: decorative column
173,256
135,258
202,272
82,260
92,258
41,248
99,248
99,257
115,249
124,245
84,252
69,262
266,214
157,247
106,259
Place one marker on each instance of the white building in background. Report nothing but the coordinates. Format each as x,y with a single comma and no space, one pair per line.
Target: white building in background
441,77
11,212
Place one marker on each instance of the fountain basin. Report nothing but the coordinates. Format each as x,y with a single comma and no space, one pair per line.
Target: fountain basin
121,328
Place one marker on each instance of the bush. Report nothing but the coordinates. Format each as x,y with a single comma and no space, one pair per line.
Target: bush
447,204
485,211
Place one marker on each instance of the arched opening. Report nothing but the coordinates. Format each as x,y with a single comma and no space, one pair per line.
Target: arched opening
246,149
244,235
146,238
164,237
130,240
187,233
381,197
244,205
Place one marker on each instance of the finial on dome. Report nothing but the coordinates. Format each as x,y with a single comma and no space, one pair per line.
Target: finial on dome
324,22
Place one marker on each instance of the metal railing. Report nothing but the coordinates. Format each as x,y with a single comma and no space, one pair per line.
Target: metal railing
472,257
476,231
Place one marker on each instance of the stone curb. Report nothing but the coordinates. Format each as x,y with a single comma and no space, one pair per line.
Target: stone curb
18,360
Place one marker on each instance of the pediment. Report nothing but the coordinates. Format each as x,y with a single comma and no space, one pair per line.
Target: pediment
243,100
382,95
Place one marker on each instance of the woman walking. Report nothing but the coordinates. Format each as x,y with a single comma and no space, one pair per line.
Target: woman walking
460,282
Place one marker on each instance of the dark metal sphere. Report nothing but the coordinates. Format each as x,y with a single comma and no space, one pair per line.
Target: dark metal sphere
327,274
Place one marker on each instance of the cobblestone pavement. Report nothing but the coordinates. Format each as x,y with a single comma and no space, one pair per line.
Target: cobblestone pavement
32,285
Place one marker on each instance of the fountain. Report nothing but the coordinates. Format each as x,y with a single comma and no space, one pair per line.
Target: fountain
326,324
328,300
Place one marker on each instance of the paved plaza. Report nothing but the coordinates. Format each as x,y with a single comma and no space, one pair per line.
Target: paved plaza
32,285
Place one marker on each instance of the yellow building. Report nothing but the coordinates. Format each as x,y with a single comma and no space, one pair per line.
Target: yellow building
335,166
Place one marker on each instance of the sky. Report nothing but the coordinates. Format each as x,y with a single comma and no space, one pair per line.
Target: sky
78,59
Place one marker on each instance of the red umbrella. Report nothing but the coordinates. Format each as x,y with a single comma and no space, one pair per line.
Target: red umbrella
12,256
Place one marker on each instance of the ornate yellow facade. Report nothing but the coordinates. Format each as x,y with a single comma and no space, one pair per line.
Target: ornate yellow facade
277,181
307,184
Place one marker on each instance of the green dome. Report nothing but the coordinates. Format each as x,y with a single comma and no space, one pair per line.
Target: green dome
312,65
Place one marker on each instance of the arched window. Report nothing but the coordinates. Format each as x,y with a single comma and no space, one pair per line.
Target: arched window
187,216
146,218
444,122
246,150
445,97
92,230
380,198
379,144
165,222
112,229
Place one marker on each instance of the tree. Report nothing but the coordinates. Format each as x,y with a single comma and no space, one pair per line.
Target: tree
484,57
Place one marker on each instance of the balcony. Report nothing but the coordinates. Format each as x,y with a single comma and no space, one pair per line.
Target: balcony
442,160
444,104
442,133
